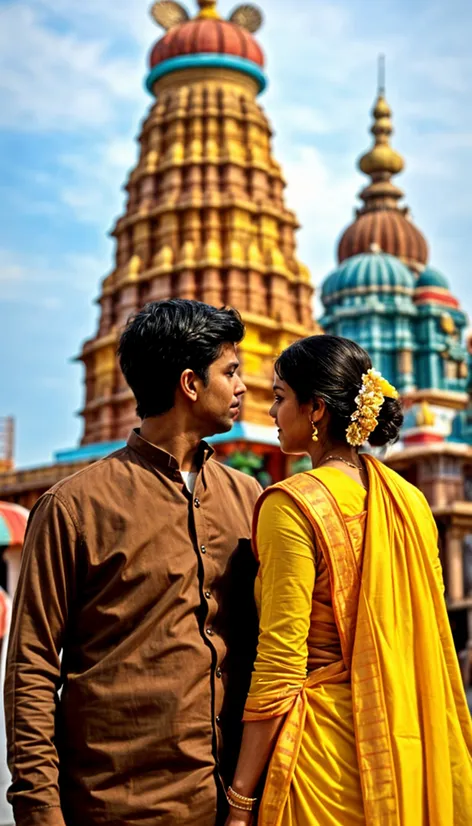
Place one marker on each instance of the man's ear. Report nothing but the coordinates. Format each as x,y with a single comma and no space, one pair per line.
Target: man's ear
190,384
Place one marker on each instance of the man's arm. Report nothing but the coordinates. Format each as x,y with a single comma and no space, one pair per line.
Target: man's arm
45,592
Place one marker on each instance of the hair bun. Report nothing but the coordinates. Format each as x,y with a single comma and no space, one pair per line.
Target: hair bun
390,420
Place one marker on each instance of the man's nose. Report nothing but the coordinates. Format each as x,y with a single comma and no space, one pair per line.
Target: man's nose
241,388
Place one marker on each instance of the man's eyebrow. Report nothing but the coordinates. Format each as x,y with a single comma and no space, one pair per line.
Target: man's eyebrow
277,387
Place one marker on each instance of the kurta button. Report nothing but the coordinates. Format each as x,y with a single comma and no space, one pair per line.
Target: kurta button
218,719
209,632
207,594
218,673
203,549
196,502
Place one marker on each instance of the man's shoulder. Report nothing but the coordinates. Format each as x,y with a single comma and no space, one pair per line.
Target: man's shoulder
235,479
83,481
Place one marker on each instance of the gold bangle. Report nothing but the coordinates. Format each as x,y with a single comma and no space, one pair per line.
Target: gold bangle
236,806
240,801
241,797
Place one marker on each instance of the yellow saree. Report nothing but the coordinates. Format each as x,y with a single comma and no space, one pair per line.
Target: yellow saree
378,731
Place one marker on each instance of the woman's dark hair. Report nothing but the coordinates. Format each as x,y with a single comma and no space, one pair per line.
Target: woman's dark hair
331,368
167,337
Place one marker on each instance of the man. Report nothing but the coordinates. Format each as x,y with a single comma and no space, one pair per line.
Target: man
136,571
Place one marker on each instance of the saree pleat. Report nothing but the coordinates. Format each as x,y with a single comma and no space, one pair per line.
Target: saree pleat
381,736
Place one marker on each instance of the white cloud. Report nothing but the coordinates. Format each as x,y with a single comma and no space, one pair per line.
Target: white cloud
92,187
11,271
51,302
119,17
59,81
321,196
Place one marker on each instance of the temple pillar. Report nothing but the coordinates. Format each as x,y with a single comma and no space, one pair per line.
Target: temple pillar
454,565
212,292
236,290
186,285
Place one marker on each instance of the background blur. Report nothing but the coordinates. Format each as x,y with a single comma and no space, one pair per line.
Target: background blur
71,100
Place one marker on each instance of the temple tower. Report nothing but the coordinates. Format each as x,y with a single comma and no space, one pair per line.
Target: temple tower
205,216
386,296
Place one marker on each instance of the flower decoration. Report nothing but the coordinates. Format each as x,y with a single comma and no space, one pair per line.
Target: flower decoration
369,400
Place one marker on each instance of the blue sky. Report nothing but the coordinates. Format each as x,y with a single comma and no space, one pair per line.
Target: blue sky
71,102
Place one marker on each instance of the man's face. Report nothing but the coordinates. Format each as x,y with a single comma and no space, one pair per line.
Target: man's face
219,401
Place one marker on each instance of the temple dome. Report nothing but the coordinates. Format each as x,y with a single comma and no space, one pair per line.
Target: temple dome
207,41
432,287
432,278
366,273
207,36
391,231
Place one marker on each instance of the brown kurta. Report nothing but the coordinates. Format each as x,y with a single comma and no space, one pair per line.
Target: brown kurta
146,590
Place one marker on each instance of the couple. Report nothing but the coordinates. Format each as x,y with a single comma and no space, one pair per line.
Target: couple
134,630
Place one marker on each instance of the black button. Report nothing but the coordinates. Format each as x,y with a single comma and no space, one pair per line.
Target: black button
209,632
203,549
218,673
218,718
196,502
207,594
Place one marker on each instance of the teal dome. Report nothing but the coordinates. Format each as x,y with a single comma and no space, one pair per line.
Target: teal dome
368,273
432,278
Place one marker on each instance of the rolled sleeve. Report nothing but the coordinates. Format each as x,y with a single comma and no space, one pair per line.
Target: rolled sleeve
42,604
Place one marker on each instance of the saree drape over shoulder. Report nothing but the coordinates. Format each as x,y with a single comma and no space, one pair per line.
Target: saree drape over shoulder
355,649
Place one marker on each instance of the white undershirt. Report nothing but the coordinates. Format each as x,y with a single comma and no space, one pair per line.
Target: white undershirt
189,477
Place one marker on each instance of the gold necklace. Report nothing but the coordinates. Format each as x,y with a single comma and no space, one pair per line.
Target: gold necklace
341,459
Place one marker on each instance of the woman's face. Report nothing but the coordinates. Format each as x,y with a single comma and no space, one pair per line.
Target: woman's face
293,420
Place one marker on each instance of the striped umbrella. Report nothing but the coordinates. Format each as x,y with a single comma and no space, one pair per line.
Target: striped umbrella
13,519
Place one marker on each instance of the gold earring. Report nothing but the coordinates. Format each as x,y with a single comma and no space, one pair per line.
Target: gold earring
314,435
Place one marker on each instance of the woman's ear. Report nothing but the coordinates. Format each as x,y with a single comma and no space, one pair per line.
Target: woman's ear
319,410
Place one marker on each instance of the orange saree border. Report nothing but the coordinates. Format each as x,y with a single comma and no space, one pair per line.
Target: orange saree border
285,754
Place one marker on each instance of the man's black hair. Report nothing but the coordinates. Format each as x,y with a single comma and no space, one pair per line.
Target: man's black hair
167,337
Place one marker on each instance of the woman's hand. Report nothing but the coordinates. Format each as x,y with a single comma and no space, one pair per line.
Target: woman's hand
238,818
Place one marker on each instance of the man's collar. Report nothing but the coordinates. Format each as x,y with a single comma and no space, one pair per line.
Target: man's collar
160,458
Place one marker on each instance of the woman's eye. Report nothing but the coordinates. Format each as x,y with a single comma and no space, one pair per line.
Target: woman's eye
277,399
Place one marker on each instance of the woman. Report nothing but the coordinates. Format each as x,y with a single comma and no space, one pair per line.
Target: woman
356,710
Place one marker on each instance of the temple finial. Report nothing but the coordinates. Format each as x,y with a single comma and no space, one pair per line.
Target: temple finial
381,76
381,162
207,9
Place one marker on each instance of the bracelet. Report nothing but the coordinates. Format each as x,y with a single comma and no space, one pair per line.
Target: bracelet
240,801
235,805
241,797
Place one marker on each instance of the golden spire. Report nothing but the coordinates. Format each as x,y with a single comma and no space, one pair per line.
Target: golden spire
381,162
207,10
